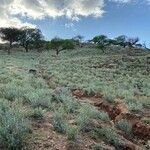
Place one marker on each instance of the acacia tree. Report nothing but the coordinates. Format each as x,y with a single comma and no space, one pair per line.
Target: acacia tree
10,35
131,42
60,44
101,41
30,36
78,39
122,40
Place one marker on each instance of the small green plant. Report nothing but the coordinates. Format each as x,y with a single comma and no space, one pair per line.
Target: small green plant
108,134
13,128
37,113
59,122
72,133
69,102
97,147
10,92
134,105
103,116
109,94
86,115
70,105
40,98
125,126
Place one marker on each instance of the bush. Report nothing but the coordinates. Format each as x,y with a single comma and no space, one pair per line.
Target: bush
58,121
41,98
97,147
108,134
65,97
134,105
86,115
37,113
72,133
125,126
10,92
13,128
103,116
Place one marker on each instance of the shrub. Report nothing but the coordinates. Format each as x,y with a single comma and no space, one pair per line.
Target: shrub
37,113
103,116
125,126
87,113
65,97
72,133
10,92
37,83
97,147
41,98
109,94
13,128
134,105
58,121
108,134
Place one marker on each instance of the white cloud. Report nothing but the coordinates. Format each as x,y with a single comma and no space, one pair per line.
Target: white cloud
8,19
72,9
39,9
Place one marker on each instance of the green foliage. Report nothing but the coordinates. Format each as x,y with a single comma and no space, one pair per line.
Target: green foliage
102,41
59,122
86,114
40,98
10,91
30,36
61,44
37,113
97,147
109,135
13,127
125,126
72,133
65,97
9,34
85,69
121,40
103,116
134,105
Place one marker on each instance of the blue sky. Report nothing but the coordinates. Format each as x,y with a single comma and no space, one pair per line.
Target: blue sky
85,17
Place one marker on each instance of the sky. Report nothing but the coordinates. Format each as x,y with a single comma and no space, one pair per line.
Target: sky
68,18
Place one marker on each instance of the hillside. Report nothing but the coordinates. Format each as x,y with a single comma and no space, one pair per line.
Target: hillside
79,100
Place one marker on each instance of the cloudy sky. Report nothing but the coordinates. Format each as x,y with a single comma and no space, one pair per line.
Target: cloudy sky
67,18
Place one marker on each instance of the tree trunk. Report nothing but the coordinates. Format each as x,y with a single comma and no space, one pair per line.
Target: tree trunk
26,48
103,50
10,46
9,51
57,52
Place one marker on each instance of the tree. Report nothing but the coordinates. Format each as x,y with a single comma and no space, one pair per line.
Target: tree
78,40
61,44
11,35
121,40
131,42
112,42
102,41
30,36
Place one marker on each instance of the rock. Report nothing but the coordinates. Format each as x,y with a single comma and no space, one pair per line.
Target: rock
33,71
